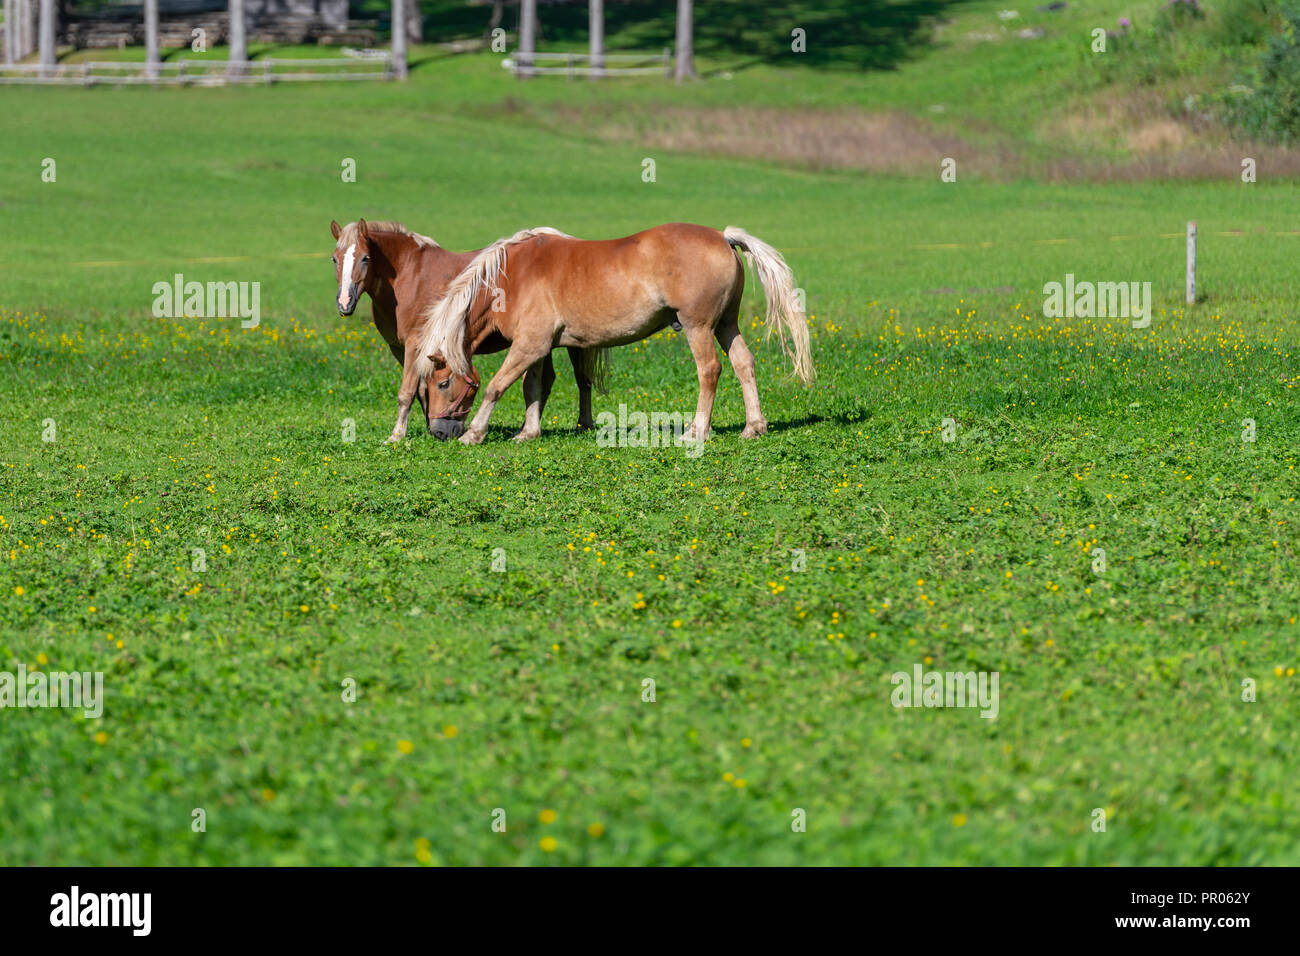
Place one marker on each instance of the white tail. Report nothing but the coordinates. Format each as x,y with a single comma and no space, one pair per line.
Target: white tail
444,322
784,316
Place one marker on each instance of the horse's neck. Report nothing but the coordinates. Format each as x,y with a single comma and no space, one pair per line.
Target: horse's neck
412,272
400,255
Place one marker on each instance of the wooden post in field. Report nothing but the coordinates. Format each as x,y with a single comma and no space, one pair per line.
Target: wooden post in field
399,38
26,28
151,39
414,22
1191,262
596,35
19,28
527,36
48,17
238,39
9,32
685,40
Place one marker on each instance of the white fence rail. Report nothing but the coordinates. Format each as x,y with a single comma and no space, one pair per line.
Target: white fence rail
580,64
201,72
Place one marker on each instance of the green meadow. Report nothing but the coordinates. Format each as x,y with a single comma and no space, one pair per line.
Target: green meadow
343,652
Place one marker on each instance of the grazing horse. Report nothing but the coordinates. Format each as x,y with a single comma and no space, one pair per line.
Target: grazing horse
562,291
404,273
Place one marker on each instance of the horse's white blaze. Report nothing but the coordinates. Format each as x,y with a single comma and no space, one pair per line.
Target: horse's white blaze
345,275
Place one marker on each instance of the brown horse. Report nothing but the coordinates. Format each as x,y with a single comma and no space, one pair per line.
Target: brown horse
404,273
561,291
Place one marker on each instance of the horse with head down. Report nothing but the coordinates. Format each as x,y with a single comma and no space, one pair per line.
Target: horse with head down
540,289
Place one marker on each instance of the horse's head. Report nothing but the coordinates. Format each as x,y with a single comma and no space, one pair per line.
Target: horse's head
451,397
351,263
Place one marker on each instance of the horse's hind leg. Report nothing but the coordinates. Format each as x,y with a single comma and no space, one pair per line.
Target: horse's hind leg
520,357
538,380
707,366
582,375
742,363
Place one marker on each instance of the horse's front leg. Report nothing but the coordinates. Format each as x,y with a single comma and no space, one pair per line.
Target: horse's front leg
518,360
538,381
422,394
405,394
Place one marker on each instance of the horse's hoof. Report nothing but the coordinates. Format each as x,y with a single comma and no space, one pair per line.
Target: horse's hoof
584,427
393,439
754,430
525,436
471,438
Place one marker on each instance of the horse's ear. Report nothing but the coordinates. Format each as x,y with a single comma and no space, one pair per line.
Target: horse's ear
361,227
439,360
334,228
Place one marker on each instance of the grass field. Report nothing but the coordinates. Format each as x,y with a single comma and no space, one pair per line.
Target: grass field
329,561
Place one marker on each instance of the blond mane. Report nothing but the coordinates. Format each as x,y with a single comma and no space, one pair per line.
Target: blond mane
444,321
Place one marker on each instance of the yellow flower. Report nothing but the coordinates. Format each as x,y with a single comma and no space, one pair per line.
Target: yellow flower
20,590
746,742
268,794
304,608
677,622
101,738
450,730
596,830
405,746
548,844
728,776
547,816
42,659
959,820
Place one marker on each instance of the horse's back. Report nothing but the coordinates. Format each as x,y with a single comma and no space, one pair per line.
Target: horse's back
614,291
662,251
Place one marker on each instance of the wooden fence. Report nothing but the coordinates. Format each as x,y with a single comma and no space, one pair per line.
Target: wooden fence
184,72
579,64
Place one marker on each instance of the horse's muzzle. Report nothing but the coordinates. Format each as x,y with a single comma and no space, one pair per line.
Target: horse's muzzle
447,428
354,296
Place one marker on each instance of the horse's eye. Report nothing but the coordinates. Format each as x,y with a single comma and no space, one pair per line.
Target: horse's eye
365,259
334,259
444,384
